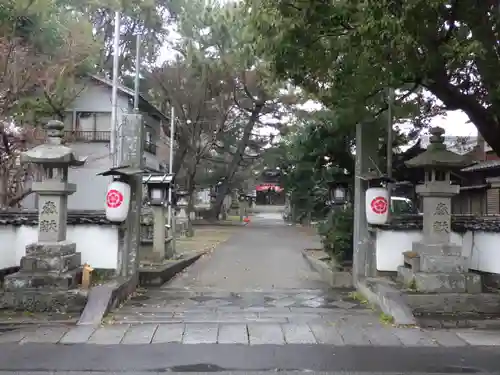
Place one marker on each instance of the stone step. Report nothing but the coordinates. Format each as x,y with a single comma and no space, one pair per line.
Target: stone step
456,303
61,263
444,263
51,248
44,300
454,321
447,282
237,314
228,318
165,310
211,290
47,280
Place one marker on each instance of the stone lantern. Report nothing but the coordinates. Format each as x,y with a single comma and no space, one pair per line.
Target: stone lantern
157,189
182,204
435,264
50,267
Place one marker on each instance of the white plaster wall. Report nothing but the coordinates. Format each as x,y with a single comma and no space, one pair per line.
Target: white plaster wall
480,247
98,244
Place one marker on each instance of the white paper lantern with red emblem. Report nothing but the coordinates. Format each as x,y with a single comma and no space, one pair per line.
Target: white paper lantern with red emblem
377,205
117,201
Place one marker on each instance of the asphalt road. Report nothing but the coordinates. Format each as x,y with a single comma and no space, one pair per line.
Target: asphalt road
218,358
202,373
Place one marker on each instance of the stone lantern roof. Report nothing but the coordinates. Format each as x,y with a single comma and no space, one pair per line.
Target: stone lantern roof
53,153
436,155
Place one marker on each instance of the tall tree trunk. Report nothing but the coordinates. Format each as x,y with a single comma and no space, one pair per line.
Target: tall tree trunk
190,189
237,158
179,160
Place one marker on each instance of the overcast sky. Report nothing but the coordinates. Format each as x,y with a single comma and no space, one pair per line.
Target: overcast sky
455,123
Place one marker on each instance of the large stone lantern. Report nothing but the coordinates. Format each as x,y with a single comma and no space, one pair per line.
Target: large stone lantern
435,264
50,267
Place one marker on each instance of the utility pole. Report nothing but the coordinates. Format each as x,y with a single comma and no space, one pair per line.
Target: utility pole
390,100
171,163
137,73
171,214
114,93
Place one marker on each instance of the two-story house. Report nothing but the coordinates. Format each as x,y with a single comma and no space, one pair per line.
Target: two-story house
88,129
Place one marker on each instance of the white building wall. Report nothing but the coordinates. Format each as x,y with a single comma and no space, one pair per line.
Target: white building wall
98,244
480,247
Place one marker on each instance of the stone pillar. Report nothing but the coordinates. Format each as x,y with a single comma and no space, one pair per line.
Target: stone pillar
130,153
159,232
51,265
436,197
366,160
173,234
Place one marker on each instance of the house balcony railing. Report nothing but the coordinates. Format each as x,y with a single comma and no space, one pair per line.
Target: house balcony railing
90,136
78,135
87,136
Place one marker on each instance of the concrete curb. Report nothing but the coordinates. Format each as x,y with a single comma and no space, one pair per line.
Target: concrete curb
159,275
219,223
102,298
336,279
390,300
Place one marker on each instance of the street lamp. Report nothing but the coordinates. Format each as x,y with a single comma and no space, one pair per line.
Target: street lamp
338,194
158,186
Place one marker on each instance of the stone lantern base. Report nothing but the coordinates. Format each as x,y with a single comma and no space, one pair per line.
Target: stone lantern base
47,280
438,269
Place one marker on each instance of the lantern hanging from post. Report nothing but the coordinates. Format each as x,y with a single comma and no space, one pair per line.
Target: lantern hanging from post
377,205
117,201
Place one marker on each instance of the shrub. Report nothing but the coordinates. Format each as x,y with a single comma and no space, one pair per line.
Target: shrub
336,233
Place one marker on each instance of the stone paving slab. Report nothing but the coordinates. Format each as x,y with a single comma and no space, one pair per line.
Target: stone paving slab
233,334
200,333
255,334
168,333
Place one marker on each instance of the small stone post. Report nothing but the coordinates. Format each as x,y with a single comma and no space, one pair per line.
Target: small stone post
435,265
173,234
159,232
51,265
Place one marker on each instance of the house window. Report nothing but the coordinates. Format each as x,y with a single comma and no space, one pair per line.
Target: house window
149,140
85,121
